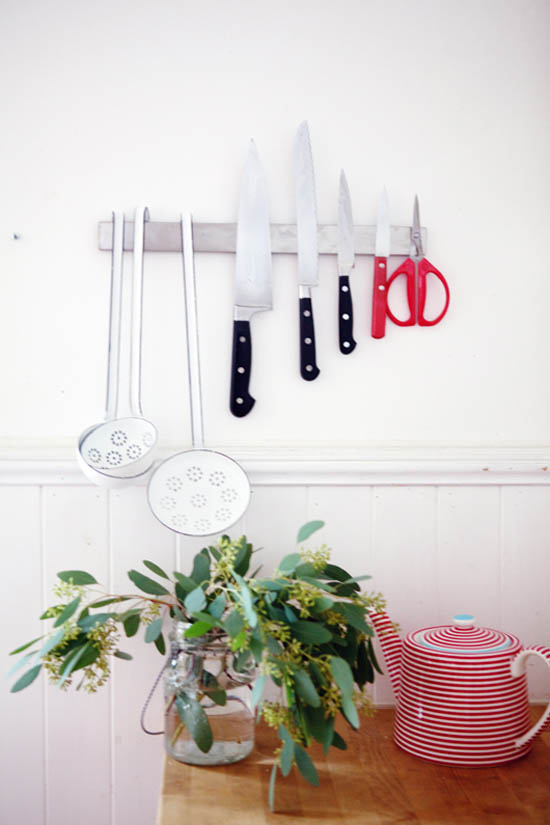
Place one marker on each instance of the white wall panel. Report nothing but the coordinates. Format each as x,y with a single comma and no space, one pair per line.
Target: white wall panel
403,561
22,720
76,537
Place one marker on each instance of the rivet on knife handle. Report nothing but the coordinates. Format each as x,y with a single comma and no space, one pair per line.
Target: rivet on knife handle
345,316
241,402
308,366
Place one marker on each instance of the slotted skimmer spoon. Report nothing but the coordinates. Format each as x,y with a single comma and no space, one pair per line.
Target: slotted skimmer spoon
197,492
121,449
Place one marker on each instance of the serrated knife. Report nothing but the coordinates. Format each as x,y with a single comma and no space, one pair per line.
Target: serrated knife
253,284
306,229
381,255
346,262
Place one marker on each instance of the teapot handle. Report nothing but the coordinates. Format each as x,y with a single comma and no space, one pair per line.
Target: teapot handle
518,666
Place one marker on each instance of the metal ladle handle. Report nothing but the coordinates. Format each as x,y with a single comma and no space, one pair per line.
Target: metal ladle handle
141,216
192,332
115,311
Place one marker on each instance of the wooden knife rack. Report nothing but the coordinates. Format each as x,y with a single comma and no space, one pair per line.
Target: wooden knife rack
165,236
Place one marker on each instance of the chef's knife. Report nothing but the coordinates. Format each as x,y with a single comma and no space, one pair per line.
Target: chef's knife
346,262
308,276
381,255
253,286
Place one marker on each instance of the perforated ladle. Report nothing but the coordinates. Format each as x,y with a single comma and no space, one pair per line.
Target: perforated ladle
121,449
197,492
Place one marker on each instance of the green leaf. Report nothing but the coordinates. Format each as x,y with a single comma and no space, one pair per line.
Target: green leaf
154,568
287,754
306,569
113,600
291,616
363,671
217,607
160,644
89,622
311,633
195,720
213,689
338,742
321,585
185,582
257,690
146,584
24,660
320,727
350,711
343,676
201,567
131,624
242,559
355,616
357,579
67,612
26,679
306,766
25,646
289,563
78,577
372,656
197,629
321,604
72,659
247,603
332,571
271,794
234,623
120,654
317,675
308,529
52,642
153,630
195,600
306,689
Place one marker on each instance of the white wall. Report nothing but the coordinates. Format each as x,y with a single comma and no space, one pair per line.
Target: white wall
427,452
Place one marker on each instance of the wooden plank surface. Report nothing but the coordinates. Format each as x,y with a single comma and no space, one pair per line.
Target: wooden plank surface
372,783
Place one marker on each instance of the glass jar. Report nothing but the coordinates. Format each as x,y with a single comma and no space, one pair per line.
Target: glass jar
204,671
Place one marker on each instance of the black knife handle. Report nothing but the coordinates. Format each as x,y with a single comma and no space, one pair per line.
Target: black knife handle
308,367
345,316
240,401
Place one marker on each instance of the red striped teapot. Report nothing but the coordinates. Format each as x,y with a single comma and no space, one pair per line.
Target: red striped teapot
461,692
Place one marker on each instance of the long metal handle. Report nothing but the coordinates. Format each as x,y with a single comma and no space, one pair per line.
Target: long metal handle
192,332
141,216
115,312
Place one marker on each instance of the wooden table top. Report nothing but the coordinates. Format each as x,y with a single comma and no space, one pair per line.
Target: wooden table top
372,783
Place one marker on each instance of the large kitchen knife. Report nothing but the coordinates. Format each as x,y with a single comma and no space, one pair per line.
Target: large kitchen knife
381,255
346,262
253,285
308,276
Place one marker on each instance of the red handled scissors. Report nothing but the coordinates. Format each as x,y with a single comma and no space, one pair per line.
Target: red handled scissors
416,280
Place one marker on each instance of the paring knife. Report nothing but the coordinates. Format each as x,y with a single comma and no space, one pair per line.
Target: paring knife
253,285
381,255
346,262
308,276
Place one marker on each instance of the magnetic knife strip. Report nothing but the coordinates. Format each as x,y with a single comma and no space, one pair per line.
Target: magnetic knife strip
165,236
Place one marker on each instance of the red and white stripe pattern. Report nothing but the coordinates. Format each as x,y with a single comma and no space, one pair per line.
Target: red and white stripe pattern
459,701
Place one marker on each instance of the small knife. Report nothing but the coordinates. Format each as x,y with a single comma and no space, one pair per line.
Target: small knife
381,255
253,285
346,262
308,276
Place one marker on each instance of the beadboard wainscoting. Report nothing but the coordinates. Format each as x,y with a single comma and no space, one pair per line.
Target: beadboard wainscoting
434,549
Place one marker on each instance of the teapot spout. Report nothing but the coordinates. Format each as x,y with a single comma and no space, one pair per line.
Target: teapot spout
392,647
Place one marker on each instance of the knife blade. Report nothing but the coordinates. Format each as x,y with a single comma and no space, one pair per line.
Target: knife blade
306,228
346,262
381,255
253,282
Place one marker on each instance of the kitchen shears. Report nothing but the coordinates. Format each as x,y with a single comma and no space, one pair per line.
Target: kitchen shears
416,270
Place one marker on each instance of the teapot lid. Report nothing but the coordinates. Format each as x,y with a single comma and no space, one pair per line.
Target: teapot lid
463,637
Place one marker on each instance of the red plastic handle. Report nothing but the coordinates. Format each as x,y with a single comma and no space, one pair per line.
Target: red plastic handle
407,268
425,268
379,296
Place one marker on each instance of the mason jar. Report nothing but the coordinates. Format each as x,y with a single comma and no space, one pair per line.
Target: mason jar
206,671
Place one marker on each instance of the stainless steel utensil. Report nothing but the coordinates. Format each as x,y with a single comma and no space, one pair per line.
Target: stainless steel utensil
197,492
121,449
346,262
308,275
253,286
